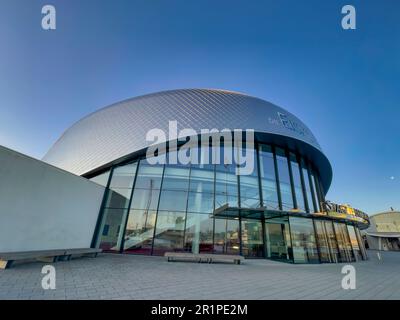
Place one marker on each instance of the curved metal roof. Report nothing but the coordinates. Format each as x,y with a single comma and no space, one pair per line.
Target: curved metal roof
120,129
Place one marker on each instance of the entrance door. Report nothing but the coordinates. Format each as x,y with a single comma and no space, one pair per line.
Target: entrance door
278,243
252,239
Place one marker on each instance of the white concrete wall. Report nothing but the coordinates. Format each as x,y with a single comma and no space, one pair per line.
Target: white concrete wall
43,207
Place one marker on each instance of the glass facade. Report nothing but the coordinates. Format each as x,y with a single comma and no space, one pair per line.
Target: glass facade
206,208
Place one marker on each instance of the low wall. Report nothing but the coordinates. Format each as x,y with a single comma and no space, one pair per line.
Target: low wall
43,207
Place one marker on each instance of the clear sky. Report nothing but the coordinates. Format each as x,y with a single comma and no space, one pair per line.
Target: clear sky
344,84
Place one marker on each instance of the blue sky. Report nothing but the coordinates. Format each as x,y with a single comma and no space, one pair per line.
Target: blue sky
344,84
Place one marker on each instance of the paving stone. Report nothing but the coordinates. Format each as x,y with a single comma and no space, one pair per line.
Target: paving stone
123,277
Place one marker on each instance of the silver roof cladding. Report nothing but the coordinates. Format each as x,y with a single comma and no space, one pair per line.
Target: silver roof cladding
120,129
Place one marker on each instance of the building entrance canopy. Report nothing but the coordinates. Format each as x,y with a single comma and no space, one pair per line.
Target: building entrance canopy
261,213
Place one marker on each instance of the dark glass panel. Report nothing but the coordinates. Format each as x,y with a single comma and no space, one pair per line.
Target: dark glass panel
354,243
118,198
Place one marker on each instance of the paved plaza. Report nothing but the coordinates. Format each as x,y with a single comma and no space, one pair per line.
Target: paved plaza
112,276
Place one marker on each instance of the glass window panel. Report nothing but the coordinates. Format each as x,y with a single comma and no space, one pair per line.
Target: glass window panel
297,182
303,240
201,180
307,187
201,202
343,240
252,238
111,230
139,231
199,233
149,176
226,236
176,178
101,179
268,177
278,239
173,200
327,248
333,246
118,198
169,232
354,243
361,244
123,176
317,199
284,180
249,188
145,199
226,186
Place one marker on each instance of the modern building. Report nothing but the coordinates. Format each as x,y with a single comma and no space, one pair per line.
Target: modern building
384,231
278,211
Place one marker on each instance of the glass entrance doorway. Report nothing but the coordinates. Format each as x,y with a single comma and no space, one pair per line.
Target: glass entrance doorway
252,239
278,243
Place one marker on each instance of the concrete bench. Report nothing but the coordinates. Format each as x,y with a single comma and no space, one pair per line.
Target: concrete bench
8,258
203,257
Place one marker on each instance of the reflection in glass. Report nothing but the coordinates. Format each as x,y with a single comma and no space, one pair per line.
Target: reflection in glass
123,176
170,227
101,179
317,199
252,238
148,176
199,233
343,240
173,200
278,239
354,243
327,248
249,188
333,246
303,240
226,186
139,231
298,189
118,198
309,195
226,236
284,180
268,177
361,244
112,229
